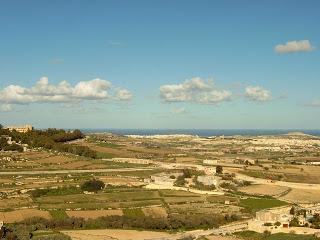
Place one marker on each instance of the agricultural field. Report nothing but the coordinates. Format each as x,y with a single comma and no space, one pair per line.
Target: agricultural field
256,204
265,190
48,184
278,236
302,196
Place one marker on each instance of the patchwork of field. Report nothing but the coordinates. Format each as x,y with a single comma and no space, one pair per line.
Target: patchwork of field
131,198
53,161
58,195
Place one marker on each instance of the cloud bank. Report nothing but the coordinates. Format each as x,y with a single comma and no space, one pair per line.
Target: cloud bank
63,92
194,90
294,46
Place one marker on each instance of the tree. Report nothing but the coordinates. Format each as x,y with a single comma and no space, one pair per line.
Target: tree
278,224
1,126
266,234
292,210
92,185
180,181
219,169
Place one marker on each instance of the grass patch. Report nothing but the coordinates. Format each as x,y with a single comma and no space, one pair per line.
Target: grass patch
250,235
58,214
108,145
105,155
133,212
55,192
256,204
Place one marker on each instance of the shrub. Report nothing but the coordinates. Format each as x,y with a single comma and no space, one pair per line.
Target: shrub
219,169
93,185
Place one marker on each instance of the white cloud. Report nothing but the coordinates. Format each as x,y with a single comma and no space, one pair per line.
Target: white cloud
294,46
257,94
64,92
123,94
194,90
93,89
181,110
314,103
5,108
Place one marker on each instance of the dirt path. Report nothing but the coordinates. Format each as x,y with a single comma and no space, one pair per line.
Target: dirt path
39,172
278,183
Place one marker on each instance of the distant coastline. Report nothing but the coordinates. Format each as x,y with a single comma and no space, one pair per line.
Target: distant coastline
202,132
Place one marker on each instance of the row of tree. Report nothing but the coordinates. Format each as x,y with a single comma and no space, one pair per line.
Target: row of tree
54,139
173,222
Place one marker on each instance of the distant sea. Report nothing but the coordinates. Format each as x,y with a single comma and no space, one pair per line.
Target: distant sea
202,132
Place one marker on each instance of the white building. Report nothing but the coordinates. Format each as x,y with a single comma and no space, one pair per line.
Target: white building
21,129
208,180
210,162
281,214
163,180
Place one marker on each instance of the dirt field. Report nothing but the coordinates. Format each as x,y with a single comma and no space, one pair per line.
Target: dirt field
94,214
158,212
120,181
302,196
111,234
114,151
16,202
220,238
55,160
264,190
19,215
75,164
34,155
187,160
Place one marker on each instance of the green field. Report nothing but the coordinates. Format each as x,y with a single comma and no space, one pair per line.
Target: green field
105,155
256,204
117,198
58,214
108,145
133,212
278,236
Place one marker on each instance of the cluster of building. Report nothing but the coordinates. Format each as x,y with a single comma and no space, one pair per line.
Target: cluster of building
283,144
282,217
10,142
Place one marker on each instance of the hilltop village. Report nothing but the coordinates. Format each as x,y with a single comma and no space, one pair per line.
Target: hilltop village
66,183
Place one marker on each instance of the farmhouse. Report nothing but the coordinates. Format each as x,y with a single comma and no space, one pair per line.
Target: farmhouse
164,180
314,163
271,216
246,161
210,162
208,180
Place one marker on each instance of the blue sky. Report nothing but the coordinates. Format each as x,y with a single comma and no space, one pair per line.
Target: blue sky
160,64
